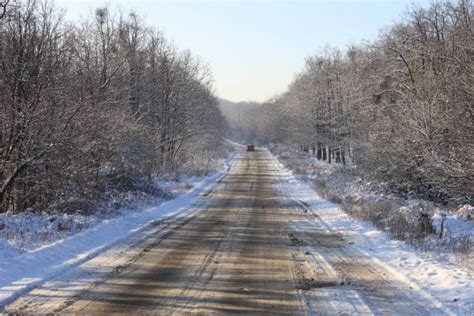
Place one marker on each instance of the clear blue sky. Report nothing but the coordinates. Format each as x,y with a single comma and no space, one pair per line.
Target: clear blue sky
254,48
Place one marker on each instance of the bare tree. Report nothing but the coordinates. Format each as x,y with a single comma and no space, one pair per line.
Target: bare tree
96,107
401,107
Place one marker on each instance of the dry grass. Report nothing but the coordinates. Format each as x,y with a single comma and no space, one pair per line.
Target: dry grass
463,249
326,193
386,215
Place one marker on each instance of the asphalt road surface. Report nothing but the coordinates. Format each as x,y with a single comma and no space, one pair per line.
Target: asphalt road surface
246,249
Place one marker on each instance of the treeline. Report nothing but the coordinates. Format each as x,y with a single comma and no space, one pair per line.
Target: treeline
399,108
242,124
86,107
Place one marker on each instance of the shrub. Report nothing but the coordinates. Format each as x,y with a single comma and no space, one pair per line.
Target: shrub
464,246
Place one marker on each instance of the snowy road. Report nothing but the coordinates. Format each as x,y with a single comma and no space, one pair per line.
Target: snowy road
247,247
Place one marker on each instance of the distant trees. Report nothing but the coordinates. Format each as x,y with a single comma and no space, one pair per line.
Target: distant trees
400,108
85,108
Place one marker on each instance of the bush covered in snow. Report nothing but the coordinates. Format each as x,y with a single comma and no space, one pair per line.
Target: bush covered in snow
441,232
20,232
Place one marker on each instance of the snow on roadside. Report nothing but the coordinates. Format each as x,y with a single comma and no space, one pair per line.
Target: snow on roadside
393,212
8,251
21,272
448,284
28,231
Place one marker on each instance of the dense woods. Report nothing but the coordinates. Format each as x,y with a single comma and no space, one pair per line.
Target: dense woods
399,109
107,103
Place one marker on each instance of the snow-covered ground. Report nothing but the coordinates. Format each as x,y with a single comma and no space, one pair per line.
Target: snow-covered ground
443,283
22,269
27,231
397,215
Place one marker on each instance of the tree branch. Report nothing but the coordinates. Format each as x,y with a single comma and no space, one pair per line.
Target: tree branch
3,8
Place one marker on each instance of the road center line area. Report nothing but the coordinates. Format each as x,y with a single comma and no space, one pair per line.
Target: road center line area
245,249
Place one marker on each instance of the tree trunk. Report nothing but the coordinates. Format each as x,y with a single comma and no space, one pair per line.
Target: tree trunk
338,156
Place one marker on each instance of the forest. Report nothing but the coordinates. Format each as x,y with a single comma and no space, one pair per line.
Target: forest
106,104
399,109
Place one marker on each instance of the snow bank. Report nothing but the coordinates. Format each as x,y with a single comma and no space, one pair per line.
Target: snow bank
444,283
20,272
